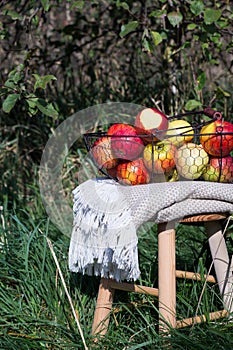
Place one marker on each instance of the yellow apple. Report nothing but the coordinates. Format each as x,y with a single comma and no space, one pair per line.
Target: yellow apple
181,132
159,157
191,160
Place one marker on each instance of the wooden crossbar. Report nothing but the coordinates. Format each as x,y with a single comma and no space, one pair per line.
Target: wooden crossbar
195,276
135,288
129,287
200,319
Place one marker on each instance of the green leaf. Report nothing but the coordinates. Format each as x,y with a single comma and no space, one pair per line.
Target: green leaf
211,15
17,77
3,34
32,105
13,14
146,45
175,18
191,26
16,74
222,93
223,23
205,46
145,33
78,4
35,20
216,39
31,100
45,4
201,79
46,108
123,4
163,35
10,102
157,38
128,28
192,104
157,13
197,7
10,84
42,81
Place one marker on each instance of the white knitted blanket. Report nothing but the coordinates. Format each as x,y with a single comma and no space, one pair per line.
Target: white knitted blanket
107,216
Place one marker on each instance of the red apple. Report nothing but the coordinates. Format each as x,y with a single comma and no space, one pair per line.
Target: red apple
219,170
102,153
133,173
125,142
112,172
159,158
151,121
213,139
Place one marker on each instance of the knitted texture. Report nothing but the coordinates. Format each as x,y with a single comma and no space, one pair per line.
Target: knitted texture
107,216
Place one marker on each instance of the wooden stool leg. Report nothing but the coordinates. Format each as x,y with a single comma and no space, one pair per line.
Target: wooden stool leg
222,263
167,275
103,307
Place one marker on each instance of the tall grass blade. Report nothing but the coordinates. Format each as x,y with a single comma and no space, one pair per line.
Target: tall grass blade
66,291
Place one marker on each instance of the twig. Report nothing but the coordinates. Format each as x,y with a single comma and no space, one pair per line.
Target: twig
67,293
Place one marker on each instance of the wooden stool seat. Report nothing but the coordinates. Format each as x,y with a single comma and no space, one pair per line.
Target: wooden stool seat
167,274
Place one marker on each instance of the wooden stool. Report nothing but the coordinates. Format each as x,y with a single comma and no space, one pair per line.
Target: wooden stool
167,275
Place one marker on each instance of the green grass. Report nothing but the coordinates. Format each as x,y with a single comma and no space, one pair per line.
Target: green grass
36,313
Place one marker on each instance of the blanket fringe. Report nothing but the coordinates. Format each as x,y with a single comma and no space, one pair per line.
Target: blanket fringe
97,245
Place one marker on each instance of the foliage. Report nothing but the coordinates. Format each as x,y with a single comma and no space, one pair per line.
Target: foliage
59,57
170,50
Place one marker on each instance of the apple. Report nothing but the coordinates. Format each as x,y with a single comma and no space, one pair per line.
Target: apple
191,160
180,131
125,143
219,169
151,121
213,139
102,153
172,176
112,172
133,173
159,157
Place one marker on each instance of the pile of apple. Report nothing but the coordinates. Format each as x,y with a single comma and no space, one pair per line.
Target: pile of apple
157,149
